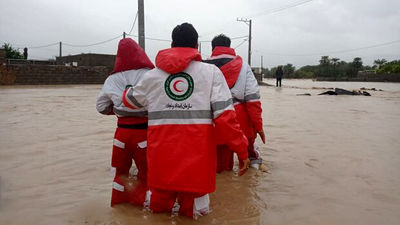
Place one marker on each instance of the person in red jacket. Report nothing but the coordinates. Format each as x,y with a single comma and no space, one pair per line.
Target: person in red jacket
188,104
246,99
129,143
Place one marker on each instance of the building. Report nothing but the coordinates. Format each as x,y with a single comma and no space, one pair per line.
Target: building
88,59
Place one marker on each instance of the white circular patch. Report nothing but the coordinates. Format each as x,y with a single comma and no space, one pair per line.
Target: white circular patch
179,86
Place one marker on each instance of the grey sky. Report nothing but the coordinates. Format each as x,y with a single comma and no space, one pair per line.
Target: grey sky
298,35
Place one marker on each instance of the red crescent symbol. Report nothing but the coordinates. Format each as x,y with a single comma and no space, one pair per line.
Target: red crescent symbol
176,83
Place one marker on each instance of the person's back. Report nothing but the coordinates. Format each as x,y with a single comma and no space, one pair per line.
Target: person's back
185,99
131,64
246,99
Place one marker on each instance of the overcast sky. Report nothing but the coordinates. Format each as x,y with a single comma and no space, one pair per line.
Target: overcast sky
297,35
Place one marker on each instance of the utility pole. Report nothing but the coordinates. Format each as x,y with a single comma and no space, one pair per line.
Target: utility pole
124,35
262,64
60,49
200,47
141,23
248,22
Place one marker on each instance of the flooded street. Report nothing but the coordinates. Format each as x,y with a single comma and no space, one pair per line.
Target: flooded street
331,160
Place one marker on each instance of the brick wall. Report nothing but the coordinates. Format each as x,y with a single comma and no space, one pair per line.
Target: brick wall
89,59
2,56
57,74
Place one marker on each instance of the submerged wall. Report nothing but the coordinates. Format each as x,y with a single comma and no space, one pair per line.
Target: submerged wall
53,74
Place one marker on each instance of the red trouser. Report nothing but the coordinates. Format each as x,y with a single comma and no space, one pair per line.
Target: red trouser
225,156
163,201
125,149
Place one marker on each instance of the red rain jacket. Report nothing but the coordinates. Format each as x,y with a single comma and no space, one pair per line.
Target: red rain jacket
188,103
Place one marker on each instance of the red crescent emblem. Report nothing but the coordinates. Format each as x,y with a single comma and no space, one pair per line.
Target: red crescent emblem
176,83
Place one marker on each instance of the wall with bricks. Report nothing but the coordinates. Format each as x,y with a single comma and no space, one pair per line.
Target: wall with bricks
57,74
89,59
2,56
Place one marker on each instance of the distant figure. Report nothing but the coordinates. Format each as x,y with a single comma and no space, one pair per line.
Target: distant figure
25,53
279,75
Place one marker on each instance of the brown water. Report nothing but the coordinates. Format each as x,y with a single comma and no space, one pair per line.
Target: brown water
332,160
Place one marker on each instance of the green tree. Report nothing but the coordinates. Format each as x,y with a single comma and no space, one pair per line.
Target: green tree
324,64
380,62
12,53
288,70
335,63
354,67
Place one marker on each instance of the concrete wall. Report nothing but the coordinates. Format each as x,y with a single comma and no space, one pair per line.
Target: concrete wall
56,74
88,60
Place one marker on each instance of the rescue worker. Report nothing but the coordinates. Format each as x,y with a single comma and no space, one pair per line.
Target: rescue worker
129,143
246,99
188,103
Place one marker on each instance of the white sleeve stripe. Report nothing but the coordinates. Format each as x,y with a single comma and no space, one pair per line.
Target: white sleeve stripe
221,105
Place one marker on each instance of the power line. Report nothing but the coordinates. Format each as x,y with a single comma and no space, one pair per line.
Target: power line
240,44
44,46
150,38
276,10
289,6
97,43
133,25
337,52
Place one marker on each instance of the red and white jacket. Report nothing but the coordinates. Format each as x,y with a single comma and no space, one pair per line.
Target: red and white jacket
188,103
244,88
131,64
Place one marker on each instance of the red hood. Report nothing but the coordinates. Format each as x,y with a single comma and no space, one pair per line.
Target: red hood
130,56
175,60
231,70
223,51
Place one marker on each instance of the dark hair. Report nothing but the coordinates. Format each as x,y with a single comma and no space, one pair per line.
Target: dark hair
184,35
220,40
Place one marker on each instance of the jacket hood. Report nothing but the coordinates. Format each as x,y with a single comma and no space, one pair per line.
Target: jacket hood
130,56
175,60
223,51
231,70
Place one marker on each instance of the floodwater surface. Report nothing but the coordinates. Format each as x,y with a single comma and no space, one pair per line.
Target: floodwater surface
330,160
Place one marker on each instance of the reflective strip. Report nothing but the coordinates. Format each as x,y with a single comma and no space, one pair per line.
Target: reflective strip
221,105
255,100
118,143
252,96
113,171
118,187
219,112
126,113
142,144
201,206
180,114
146,203
180,121
107,110
236,101
132,100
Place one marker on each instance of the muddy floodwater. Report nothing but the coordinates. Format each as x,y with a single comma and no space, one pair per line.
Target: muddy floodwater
331,160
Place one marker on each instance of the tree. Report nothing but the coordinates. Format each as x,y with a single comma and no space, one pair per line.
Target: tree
380,62
12,53
324,64
357,63
354,67
335,63
324,61
288,70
